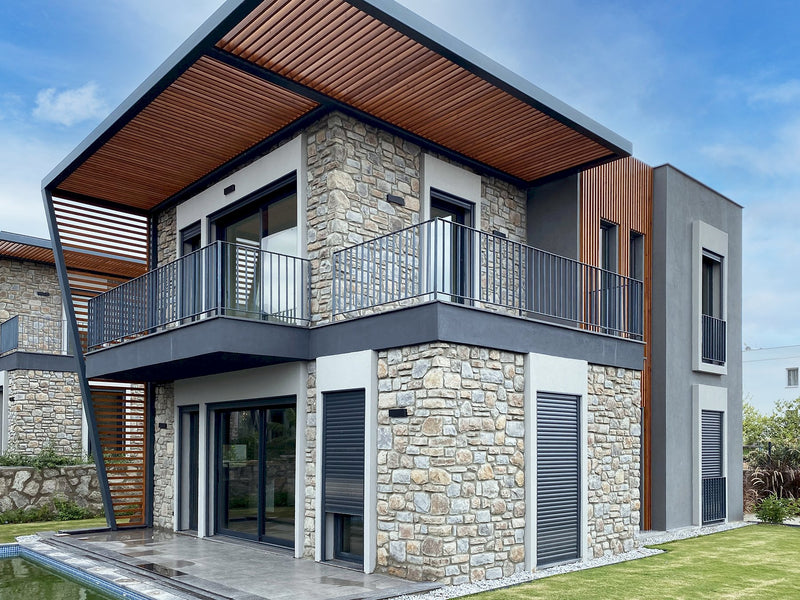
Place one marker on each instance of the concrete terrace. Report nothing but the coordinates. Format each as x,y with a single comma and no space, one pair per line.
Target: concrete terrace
169,566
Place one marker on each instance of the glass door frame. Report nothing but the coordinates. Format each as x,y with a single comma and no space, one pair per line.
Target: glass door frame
215,411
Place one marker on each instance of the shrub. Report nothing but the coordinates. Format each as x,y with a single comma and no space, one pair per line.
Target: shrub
60,510
48,458
773,509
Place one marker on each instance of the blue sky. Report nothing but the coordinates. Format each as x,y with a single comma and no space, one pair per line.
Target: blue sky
711,87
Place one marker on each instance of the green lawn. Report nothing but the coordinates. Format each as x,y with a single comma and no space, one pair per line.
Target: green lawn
761,561
11,531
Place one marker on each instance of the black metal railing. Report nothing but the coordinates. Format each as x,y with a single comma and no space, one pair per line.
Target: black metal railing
227,279
714,340
42,335
714,499
442,260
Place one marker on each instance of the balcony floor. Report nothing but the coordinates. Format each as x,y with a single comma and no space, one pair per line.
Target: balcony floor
222,344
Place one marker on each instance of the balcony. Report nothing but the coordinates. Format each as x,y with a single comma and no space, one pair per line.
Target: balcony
714,340
36,335
222,279
442,260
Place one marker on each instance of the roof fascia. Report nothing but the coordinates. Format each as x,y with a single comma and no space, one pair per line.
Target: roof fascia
219,23
27,240
438,40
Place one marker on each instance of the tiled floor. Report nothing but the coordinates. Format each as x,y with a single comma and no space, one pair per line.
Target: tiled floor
227,568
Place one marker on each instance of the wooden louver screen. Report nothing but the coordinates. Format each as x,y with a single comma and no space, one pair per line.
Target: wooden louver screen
120,411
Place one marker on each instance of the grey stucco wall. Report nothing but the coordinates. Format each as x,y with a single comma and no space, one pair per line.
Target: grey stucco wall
678,201
554,217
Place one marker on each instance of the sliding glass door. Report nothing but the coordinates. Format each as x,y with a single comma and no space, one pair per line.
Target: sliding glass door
256,472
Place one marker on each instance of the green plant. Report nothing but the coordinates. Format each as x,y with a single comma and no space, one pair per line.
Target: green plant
48,458
67,510
774,509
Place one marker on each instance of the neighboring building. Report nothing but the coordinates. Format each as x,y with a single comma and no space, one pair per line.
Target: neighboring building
40,401
770,375
391,304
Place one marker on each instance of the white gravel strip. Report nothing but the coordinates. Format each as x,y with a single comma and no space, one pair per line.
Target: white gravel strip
648,538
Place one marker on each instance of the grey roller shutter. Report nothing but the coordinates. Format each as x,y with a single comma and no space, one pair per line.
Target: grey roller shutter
343,452
558,480
712,443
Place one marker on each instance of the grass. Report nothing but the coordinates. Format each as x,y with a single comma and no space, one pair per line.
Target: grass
12,530
761,561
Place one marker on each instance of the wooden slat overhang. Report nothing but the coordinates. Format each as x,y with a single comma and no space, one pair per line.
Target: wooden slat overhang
257,67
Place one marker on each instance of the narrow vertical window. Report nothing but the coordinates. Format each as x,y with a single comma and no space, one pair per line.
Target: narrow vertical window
608,246
791,377
712,285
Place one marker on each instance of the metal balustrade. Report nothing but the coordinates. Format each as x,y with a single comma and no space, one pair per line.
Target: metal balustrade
442,260
25,333
714,340
714,499
227,279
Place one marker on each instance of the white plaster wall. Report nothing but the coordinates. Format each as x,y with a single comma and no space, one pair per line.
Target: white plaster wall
764,376
544,373
264,382
354,370
287,159
453,180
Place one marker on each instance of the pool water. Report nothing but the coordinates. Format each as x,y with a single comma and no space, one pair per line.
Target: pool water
23,580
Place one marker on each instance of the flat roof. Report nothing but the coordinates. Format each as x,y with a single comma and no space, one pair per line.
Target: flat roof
257,68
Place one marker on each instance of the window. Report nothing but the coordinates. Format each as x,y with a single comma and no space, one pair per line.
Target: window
636,256
712,285
791,377
608,246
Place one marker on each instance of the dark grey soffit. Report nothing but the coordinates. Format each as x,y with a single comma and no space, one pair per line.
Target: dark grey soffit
37,362
220,345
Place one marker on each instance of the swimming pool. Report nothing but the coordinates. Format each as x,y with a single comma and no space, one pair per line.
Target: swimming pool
25,574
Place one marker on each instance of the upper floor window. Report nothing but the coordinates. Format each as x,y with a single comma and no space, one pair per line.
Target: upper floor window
712,285
791,377
608,246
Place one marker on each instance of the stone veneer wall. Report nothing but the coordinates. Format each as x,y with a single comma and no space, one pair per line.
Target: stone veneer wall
167,232
614,424
309,524
164,456
46,409
451,504
19,282
351,168
28,487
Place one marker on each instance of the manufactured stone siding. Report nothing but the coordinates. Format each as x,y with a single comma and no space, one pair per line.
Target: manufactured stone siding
351,169
309,524
167,225
614,423
19,282
28,487
164,456
46,411
451,504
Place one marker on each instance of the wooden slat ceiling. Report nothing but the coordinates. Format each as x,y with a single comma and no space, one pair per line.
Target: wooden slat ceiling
336,49
75,259
209,115
214,111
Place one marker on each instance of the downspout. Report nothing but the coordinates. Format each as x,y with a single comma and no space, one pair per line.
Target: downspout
86,393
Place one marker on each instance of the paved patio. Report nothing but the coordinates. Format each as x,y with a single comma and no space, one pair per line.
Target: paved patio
225,568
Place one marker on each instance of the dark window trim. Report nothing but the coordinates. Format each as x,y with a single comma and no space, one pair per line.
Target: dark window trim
281,187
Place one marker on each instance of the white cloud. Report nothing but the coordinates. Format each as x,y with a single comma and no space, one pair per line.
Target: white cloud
776,156
786,92
69,107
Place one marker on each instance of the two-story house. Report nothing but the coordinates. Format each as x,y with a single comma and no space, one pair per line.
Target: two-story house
40,401
389,304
